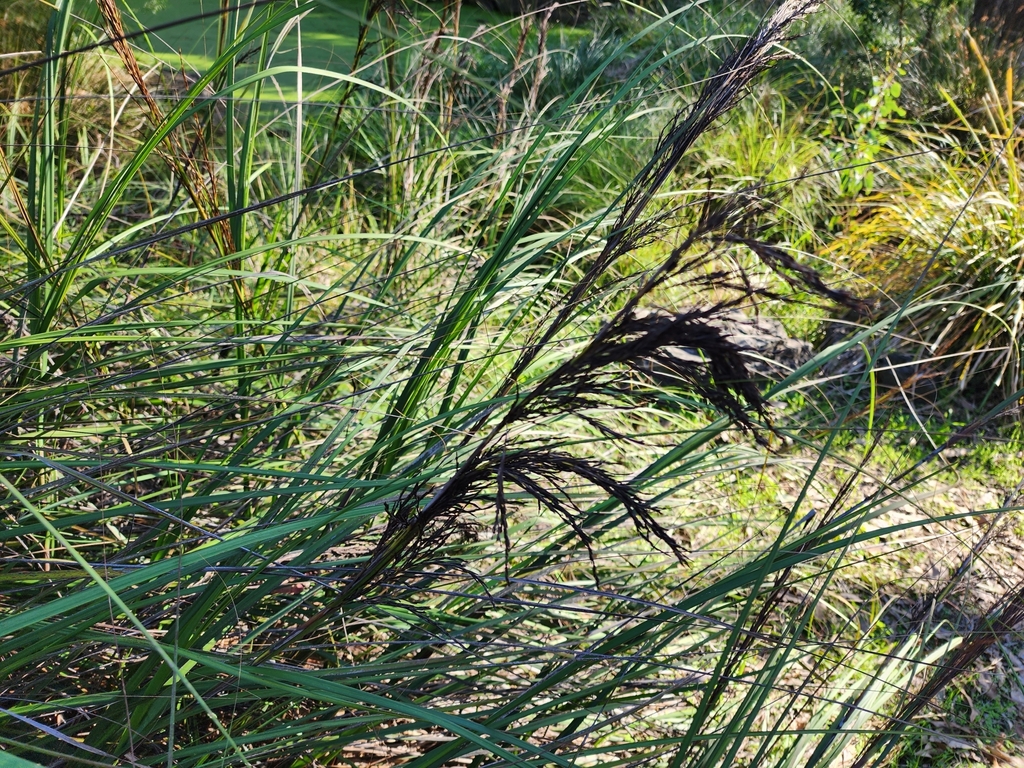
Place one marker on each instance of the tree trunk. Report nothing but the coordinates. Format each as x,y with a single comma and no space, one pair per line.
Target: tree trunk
1000,21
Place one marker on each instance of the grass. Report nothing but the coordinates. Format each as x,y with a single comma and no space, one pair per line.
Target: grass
329,34
329,439
976,314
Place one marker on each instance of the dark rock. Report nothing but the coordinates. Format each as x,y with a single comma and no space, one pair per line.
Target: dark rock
770,354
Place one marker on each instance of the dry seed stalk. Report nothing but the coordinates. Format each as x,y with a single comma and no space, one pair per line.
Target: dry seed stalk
178,157
628,340
424,517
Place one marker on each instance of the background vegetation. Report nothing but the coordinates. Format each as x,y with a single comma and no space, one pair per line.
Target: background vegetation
370,388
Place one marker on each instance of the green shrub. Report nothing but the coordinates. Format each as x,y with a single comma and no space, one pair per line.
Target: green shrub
952,210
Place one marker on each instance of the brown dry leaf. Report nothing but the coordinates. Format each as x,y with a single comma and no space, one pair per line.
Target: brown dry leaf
1017,695
952,743
987,684
1016,686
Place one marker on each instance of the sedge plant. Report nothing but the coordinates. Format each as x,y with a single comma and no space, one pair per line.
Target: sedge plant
329,431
